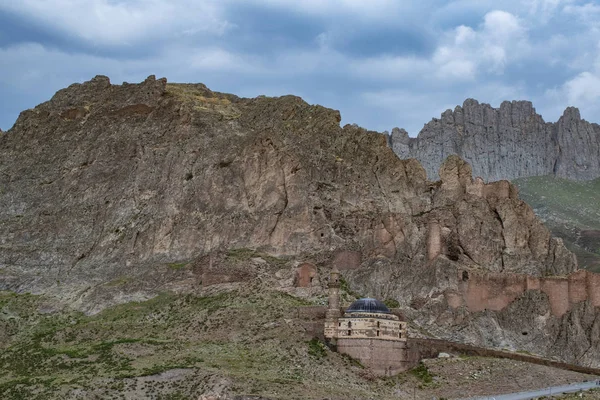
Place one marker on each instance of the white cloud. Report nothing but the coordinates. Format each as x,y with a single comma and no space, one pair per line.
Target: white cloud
456,69
472,49
216,59
501,26
583,89
366,10
32,65
588,14
544,9
119,22
390,68
411,109
500,38
461,56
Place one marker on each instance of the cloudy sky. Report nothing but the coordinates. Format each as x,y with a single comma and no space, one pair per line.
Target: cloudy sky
383,63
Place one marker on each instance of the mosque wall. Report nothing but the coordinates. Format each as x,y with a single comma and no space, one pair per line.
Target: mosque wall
384,329
383,357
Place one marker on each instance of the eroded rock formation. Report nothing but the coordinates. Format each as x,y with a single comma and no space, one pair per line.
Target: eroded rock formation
114,193
508,142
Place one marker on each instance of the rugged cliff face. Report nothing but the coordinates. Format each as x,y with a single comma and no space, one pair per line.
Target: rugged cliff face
571,210
509,142
108,191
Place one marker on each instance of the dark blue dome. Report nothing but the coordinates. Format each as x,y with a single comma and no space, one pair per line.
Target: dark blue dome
369,305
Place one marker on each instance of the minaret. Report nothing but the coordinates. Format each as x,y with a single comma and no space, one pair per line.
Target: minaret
333,311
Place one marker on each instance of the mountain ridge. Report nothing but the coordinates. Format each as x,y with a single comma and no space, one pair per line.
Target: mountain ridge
508,142
116,193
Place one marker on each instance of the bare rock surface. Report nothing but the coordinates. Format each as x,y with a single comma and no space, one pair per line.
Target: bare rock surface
114,193
508,142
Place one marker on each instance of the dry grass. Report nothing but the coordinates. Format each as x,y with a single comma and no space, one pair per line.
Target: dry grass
202,99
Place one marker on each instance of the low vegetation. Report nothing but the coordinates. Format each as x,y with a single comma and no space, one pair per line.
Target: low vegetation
202,99
316,348
571,210
391,303
421,372
347,293
242,339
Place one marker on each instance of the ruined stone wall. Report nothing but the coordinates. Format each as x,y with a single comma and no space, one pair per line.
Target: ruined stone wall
495,291
383,357
305,273
312,319
311,312
430,348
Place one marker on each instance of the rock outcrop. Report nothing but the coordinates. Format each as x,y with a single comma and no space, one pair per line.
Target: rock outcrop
115,193
509,142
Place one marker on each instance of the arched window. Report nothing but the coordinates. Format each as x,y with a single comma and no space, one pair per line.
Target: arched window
349,324
378,324
349,332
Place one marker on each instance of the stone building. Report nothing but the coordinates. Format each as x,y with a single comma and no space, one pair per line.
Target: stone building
367,331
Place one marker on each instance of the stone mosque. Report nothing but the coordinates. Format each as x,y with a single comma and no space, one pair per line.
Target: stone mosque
367,331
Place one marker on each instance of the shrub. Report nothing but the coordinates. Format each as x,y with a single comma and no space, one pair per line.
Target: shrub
422,373
391,303
316,348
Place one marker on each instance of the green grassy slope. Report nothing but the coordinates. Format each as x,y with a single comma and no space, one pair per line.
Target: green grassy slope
571,210
242,342
233,339
170,347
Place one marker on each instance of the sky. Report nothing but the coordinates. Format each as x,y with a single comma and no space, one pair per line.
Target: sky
382,63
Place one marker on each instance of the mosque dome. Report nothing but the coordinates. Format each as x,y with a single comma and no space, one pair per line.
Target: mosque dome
368,305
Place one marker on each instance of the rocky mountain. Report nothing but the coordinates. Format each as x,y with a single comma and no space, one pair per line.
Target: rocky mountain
571,210
508,142
114,193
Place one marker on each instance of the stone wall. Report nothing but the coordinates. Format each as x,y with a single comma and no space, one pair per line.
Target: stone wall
383,357
495,291
312,319
311,312
430,348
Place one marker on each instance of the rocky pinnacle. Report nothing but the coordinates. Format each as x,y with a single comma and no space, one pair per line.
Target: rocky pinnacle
508,142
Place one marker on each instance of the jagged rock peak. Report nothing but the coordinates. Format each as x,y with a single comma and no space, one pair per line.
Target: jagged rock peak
455,170
508,142
571,113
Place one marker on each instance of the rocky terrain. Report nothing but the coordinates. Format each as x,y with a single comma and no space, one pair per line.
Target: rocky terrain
117,194
571,210
233,342
508,142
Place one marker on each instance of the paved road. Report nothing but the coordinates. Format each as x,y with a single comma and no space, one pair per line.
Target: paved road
573,388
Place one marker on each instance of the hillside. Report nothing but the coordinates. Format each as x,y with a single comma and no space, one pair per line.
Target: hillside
508,142
240,342
571,210
121,198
